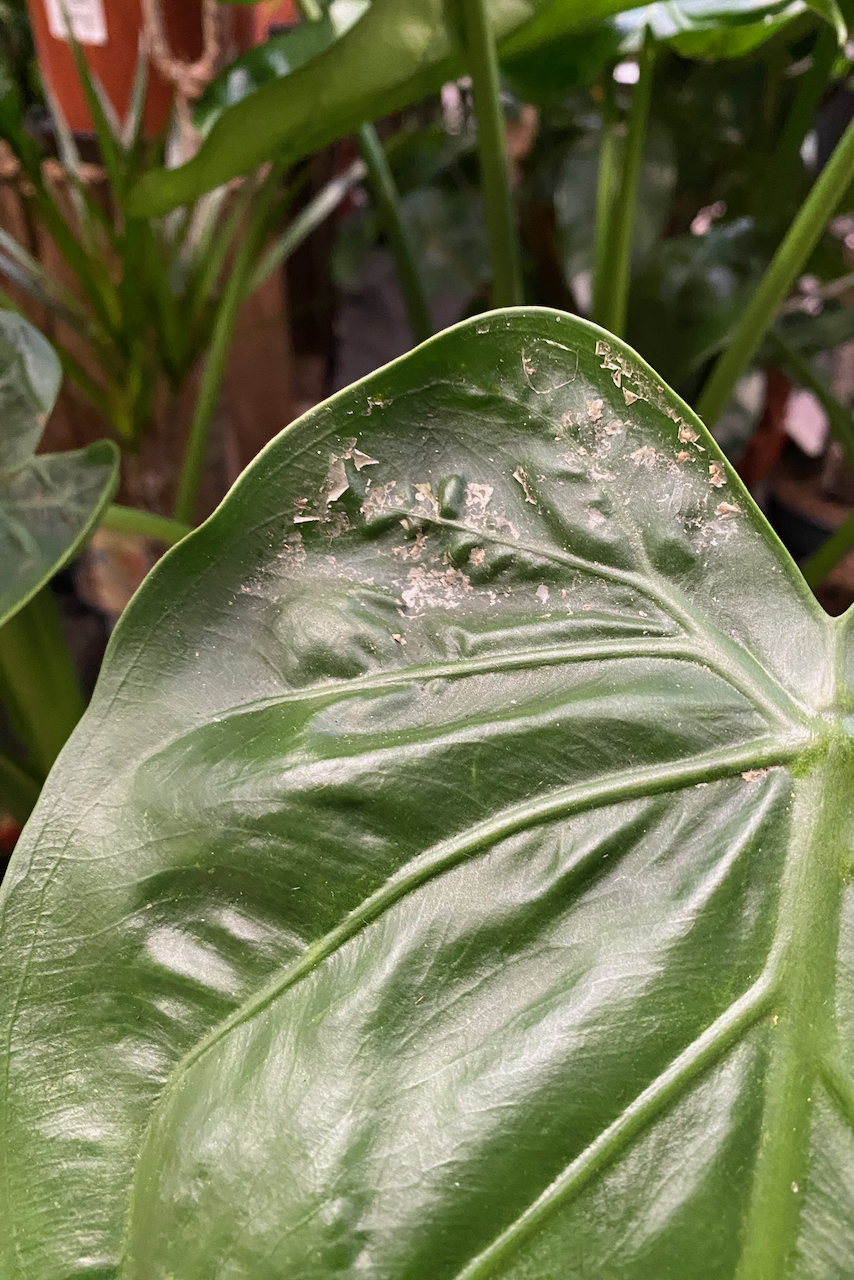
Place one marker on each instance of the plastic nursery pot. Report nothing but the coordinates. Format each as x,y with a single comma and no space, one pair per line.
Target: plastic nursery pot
108,32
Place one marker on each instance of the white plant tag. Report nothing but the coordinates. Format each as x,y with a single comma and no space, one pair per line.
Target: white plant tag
88,23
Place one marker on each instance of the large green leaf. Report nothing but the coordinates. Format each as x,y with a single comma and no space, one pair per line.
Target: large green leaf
48,502
720,28
709,29
451,877
279,56
398,51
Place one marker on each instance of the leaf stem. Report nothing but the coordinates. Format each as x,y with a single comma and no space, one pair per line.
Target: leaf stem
804,955
215,365
391,221
482,64
607,189
785,266
616,271
38,684
316,211
145,523
786,157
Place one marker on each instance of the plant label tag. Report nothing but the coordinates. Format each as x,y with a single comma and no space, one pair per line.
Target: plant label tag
88,24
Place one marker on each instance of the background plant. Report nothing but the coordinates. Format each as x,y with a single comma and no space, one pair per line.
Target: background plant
153,297
49,503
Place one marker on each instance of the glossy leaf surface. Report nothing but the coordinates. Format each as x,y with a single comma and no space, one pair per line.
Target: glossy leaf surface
706,29
451,875
721,28
398,51
48,502
279,56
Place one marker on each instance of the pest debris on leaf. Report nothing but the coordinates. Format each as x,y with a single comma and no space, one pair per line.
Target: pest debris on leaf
434,588
380,498
716,475
644,457
424,494
478,497
520,478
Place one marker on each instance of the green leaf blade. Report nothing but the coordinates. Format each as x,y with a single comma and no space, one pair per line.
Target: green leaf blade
28,388
47,510
396,53
49,503
456,800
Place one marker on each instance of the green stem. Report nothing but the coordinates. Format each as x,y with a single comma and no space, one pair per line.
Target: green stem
214,370
801,371
307,220
38,684
391,221
145,523
786,158
618,267
817,566
19,790
607,188
785,267
482,65
806,945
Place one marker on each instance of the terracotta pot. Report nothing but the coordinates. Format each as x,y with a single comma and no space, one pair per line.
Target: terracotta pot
109,32
270,15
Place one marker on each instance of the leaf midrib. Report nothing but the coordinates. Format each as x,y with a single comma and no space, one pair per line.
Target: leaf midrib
807,939
794,958
626,785
736,663
657,647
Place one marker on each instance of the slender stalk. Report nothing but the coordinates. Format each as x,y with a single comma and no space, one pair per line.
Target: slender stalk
391,221
316,211
785,267
817,566
145,523
617,270
214,370
19,790
502,233
38,685
607,189
247,274
786,156
801,371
